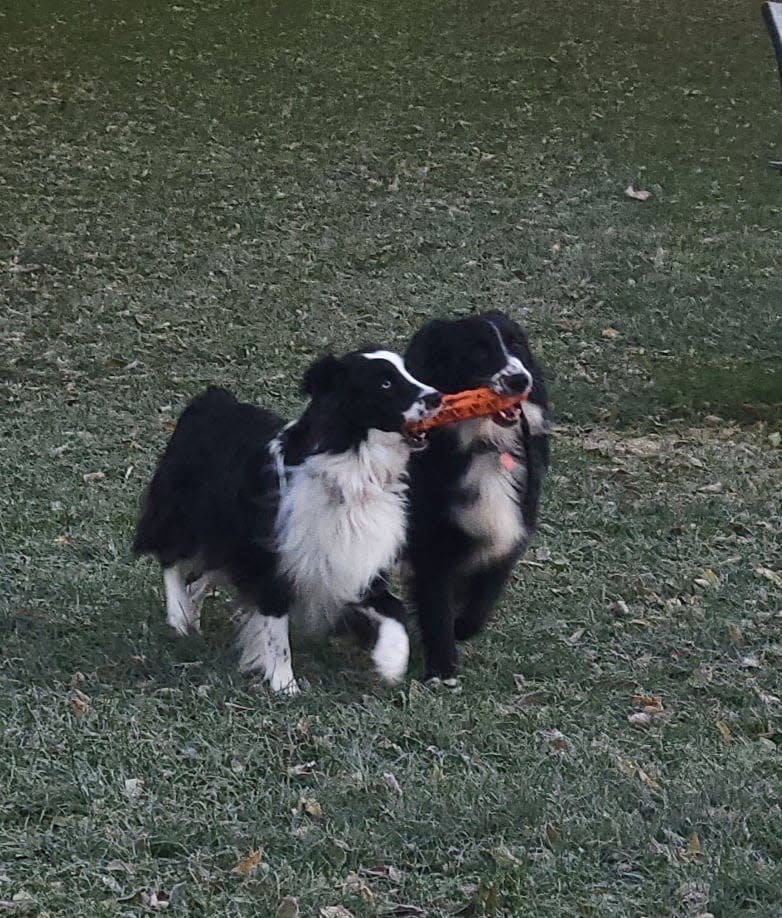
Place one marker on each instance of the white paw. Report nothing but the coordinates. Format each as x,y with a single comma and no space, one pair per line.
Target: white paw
176,618
392,651
285,685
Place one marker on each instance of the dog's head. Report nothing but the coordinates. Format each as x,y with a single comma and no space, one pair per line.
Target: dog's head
370,389
484,350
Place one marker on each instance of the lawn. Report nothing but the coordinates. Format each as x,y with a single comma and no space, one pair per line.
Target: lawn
218,192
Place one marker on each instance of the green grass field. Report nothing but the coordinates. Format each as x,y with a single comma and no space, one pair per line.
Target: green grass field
218,192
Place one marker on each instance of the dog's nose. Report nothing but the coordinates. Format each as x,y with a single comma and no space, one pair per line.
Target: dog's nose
433,400
518,383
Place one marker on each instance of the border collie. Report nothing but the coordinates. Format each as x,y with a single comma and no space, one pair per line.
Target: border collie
300,518
474,492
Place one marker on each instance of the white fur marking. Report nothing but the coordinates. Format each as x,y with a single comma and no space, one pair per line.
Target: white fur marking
536,419
492,514
342,520
263,640
392,648
513,366
180,612
484,429
399,365
276,452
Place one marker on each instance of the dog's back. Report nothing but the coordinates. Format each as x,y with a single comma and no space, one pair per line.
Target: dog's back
214,475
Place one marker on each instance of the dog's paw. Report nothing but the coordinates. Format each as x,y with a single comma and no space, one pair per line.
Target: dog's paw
452,683
391,651
289,688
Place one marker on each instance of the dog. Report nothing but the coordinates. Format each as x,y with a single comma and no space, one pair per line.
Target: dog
299,519
474,492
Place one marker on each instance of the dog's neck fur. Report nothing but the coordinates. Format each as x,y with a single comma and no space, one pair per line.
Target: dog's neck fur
324,427
342,518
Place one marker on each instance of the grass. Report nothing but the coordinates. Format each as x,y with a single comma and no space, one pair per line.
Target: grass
218,192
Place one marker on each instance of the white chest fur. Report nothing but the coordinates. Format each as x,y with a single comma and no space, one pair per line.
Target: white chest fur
342,521
491,513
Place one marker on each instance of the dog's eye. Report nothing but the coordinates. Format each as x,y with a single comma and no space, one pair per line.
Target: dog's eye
386,384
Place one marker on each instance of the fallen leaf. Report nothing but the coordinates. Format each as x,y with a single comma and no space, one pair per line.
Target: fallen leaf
288,908
80,703
620,607
353,885
554,739
770,575
715,488
575,637
530,699
248,864
640,195
725,731
710,577
768,699
394,874
61,540
90,477
503,857
134,787
651,704
610,333
408,911
749,662
693,849
647,780
627,767
303,769
16,268
155,900
392,783
335,911
311,807
640,719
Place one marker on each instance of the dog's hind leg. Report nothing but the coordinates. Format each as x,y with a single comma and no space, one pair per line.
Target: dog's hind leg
479,594
180,610
378,624
197,591
264,647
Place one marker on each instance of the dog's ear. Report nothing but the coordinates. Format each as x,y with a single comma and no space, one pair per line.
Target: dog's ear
322,377
423,352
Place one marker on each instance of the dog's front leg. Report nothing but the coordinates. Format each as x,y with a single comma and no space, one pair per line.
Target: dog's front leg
478,594
263,640
434,605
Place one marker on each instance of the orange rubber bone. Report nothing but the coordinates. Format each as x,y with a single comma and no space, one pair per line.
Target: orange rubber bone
464,406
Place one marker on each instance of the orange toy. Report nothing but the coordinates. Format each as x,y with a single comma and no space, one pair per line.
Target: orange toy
463,406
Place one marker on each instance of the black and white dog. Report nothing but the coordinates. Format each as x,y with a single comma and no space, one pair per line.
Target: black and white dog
474,491
299,518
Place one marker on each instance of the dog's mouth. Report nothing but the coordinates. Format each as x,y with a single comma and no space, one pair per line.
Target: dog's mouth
508,416
416,440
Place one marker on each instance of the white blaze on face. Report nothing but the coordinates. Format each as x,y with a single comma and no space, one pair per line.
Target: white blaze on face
417,410
399,365
513,366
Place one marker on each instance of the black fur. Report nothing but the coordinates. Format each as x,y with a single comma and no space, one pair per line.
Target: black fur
452,592
214,497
